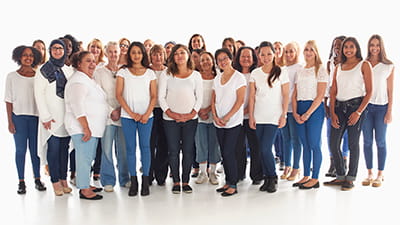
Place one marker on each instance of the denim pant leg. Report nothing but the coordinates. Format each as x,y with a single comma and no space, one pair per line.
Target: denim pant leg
33,122
129,127
214,154
201,141
256,172
97,159
144,133
120,152
57,157
158,142
266,134
227,141
84,155
287,145
188,145
107,170
345,142
241,156
173,133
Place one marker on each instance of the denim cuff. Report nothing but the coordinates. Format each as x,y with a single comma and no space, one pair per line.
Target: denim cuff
350,178
341,177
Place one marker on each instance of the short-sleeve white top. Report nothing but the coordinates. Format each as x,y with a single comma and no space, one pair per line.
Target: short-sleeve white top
307,82
136,91
380,74
268,100
225,98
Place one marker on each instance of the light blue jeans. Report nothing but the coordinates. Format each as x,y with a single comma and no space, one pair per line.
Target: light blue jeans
113,137
85,152
131,128
207,144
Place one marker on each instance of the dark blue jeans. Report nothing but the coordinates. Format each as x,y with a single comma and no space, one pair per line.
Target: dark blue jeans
227,139
158,148
57,157
180,135
343,110
374,123
26,133
267,134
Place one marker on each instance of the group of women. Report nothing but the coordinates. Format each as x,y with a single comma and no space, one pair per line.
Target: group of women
184,100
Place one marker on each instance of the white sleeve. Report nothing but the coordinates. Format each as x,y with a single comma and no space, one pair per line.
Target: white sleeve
162,91
323,75
77,95
284,77
198,92
8,96
40,86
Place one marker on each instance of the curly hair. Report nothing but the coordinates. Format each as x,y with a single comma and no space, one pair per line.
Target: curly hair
17,55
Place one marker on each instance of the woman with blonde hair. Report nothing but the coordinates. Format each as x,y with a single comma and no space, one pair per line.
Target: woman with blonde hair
97,49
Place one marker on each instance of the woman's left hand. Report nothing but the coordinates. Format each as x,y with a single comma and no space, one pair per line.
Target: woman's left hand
353,118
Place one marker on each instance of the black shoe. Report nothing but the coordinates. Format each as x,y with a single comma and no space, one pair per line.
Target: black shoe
297,184
187,189
347,185
96,197
273,181
221,189
331,171
96,189
195,174
176,189
334,182
133,189
145,186
39,185
301,186
21,188
226,194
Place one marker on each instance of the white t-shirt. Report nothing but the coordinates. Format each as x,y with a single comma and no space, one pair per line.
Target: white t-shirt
180,95
207,93
225,98
247,94
136,91
380,74
107,80
350,83
268,100
158,74
292,73
20,92
307,82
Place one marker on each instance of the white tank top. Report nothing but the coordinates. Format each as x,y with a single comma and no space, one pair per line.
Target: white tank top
350,83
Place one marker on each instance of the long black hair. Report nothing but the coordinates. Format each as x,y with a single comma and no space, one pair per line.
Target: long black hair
276,70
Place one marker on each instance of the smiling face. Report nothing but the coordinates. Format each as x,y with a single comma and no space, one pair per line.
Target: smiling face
57,51
27,57
290,54
349,49
197,42
124,45
112,53
309,53
224,61
374,47
136,55
246,58
181,56
40,46
206,62
266,55
157,58
87,65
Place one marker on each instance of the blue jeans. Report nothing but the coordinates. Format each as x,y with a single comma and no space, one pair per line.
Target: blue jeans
310,135
343,110
345,143
266,134
291,141
85,152
374,121
113,136
206,144
57,157
180,135
26,133
131,128
227,139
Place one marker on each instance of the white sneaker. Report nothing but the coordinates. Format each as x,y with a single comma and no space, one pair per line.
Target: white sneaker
108,188
128,184
220,169
213,178
201,178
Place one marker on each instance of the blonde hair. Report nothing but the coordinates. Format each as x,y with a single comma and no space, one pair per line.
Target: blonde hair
318,61
296,46
98,43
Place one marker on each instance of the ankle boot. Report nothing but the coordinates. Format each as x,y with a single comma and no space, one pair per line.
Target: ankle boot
145,186
133,190
331,171
265,184
21,188
271,185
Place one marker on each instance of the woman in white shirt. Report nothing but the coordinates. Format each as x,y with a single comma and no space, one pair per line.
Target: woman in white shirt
308,111
227,109
349,96
158,140
113,135
136,92
245,62
86,112
379,108
268,105
206,137
22,113
180,97
54,139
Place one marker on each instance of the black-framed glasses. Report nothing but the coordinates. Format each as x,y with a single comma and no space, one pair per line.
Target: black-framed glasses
123,46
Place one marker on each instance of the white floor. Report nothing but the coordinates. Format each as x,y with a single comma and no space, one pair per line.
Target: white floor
326,205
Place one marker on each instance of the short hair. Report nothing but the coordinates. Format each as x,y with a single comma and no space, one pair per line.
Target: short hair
172,67
223,50
236,63
145,59
158,48
343,58
17,55
77,58
110,43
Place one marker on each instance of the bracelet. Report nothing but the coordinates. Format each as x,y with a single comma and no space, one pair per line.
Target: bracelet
359,113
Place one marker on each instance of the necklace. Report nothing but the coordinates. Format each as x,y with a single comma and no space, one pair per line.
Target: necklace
113,71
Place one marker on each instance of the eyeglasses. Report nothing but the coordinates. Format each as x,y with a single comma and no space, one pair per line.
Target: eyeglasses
123,46
28,55
57,48
223,59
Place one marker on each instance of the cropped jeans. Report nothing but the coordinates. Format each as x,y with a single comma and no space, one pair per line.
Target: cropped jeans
343,110
374,124
291,142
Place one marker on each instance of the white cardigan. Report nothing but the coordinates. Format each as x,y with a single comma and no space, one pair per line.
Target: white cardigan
50,107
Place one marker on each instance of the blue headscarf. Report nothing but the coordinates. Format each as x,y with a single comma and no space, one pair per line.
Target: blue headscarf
52,71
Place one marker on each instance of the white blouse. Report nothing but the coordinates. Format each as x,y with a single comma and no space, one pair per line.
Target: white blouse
180,95
350,83
307,82
380,74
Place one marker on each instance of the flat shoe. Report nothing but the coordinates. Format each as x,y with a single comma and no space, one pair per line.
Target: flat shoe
316,185
96,197
221,189
226,194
